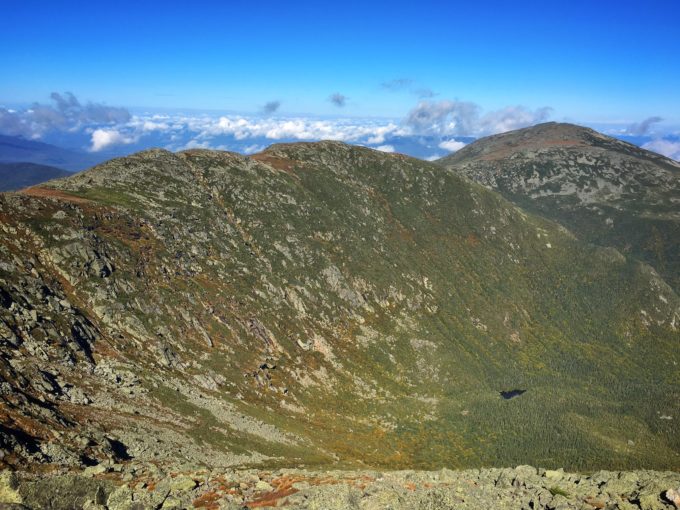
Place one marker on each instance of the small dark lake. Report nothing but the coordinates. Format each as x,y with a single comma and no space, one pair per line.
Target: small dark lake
507,395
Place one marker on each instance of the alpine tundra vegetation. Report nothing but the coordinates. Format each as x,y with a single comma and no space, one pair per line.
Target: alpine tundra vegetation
174,319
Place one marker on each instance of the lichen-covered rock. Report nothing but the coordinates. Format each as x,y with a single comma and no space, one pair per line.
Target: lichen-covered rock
182,484
673,495
329,490
8,488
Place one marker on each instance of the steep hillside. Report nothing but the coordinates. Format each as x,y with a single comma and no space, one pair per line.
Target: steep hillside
322,304
14,176
607,191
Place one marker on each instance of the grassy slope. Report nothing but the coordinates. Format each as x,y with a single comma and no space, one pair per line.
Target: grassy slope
417,296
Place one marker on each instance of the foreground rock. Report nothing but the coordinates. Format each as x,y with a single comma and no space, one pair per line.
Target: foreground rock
148,486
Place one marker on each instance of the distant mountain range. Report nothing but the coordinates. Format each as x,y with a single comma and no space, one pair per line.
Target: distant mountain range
15,176
15,149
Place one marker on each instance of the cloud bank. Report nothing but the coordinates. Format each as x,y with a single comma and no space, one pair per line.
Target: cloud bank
66,114
427,130
668,148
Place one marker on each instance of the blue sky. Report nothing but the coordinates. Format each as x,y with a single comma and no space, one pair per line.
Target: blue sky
505,64
589,61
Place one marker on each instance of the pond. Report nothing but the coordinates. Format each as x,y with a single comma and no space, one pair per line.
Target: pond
507,395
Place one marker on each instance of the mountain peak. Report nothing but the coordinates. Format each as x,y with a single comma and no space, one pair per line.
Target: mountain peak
324,148
606,190
541,137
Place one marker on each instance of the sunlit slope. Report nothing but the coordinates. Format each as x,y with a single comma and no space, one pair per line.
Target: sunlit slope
608,192
322,303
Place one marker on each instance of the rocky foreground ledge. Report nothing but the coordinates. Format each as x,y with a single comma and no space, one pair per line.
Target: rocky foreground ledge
124,486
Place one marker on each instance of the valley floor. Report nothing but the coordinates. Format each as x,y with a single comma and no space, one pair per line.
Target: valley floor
142,486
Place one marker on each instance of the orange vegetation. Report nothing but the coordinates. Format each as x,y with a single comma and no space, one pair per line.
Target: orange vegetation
40,192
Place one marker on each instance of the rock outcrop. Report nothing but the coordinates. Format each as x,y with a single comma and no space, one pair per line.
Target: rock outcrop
119,487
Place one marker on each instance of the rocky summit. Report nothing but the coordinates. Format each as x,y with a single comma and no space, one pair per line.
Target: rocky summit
186,328
607,191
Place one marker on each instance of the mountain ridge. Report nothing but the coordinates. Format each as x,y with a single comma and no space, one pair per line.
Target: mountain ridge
321,304
559,133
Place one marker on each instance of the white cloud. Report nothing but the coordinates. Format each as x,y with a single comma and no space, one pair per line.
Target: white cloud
195,144
252,149
511,118
100,127
150,125
443,117
451,145
463,118
380,132
249,134
668,148
433,157
103,138
198,144
385,148
296,128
